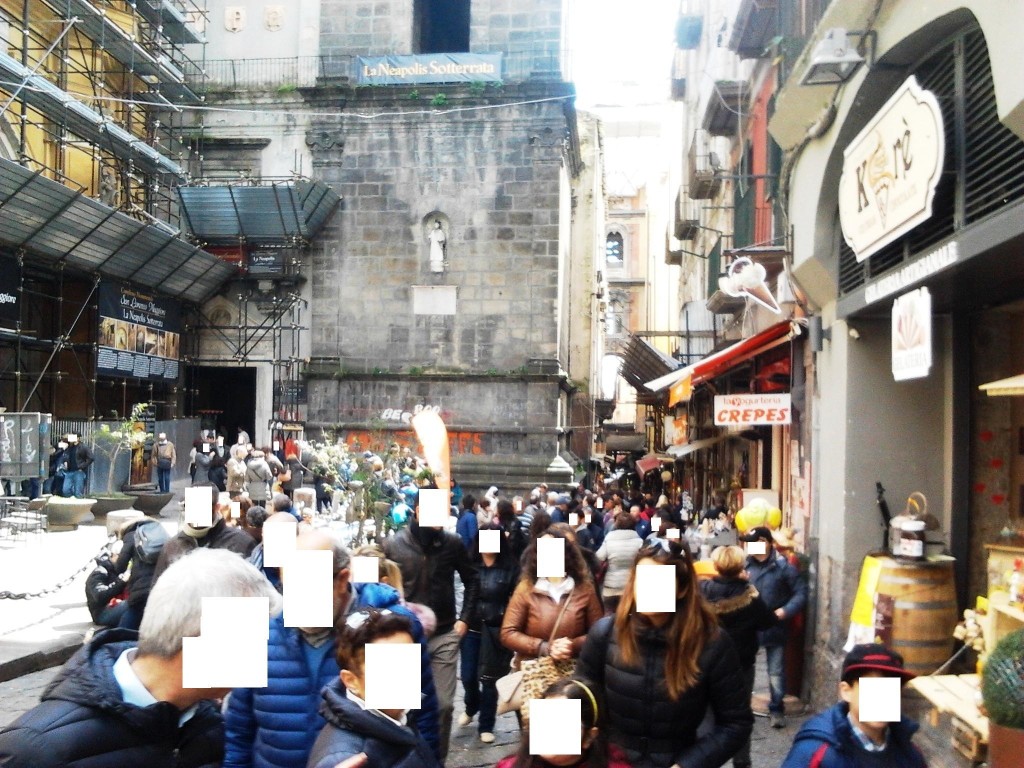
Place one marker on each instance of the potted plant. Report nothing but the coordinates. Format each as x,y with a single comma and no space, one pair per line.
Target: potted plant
115,446
1002,689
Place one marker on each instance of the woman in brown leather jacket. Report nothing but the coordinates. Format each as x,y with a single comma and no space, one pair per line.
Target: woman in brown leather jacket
534,607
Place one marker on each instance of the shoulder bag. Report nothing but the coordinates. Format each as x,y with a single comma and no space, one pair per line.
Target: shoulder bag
534,675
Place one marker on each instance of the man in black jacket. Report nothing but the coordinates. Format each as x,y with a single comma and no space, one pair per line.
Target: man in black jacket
216,536
103,586
429,559
143,574
121,701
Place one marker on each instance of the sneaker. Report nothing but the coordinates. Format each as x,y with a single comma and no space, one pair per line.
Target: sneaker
465,719
487,737
778,720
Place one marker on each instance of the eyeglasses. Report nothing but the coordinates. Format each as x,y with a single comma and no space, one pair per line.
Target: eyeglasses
357,619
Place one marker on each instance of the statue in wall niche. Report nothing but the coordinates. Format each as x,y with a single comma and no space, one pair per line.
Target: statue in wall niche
438,247
109,187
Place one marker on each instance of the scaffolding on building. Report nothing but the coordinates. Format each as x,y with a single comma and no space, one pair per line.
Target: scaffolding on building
91,103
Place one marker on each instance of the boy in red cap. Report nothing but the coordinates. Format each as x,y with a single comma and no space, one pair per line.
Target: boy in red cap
839,738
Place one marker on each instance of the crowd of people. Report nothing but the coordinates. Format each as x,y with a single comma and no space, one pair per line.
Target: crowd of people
483,603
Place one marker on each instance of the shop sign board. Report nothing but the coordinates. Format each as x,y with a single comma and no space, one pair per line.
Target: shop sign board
891,170
752,410
266,262
912,335
139,334
428,68
676,431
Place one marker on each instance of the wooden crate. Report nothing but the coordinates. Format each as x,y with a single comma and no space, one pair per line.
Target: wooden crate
967,741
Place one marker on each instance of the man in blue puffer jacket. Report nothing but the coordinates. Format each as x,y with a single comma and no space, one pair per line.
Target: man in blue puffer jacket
784,590
275,726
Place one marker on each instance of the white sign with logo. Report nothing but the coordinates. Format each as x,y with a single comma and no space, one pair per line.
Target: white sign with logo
912,335
891,169
752,410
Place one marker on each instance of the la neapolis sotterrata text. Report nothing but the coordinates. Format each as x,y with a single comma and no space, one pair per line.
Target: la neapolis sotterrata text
432,68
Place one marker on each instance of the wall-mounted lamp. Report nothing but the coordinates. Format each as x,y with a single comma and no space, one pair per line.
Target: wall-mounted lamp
835,60
816,334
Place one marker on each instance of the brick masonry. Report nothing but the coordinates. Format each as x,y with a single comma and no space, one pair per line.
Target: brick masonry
490,164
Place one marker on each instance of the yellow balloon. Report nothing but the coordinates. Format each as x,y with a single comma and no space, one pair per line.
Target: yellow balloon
741,521
774,518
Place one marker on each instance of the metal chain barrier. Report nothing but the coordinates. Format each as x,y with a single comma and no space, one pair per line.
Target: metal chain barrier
5,595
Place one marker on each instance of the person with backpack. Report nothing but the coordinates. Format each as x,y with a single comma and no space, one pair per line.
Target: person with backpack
840,738
142,542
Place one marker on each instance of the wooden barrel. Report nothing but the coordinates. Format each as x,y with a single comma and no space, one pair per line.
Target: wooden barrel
916,611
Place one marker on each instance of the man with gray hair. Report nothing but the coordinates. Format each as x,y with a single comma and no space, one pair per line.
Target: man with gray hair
120,700
276,726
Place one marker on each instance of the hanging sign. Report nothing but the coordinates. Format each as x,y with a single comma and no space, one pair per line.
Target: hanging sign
681,391
891,169
752,410
912,335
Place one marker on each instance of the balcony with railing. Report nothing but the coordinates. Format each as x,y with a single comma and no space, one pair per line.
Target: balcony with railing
535,64
704,166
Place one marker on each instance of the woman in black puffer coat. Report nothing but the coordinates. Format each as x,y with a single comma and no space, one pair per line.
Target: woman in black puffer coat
660,672
741,613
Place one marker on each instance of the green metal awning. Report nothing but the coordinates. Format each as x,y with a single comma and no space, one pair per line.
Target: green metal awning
57,223
277,213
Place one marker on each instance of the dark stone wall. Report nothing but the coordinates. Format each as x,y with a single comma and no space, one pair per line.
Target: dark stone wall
496,177
380,27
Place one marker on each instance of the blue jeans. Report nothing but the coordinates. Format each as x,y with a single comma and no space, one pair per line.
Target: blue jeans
776,677
112,614
469,652
163,479
132,618
74,483
481,691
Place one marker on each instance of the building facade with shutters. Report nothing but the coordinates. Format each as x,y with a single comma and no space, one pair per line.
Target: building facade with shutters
904,184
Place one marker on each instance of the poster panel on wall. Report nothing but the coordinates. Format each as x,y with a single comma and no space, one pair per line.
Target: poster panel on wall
10,293
139,334
912,335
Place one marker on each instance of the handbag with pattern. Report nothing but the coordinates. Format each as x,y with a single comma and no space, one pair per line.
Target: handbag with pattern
534,676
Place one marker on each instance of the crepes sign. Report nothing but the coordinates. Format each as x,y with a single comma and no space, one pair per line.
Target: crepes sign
752,410
891,170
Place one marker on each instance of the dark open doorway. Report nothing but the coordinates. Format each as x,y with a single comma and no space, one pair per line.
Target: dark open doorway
231,391
441,26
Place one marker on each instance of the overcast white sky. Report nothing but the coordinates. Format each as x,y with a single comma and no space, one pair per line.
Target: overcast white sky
621,52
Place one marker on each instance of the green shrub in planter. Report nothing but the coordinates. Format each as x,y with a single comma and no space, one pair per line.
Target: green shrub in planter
1002,682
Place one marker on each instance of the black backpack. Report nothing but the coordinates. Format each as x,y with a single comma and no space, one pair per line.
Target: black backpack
150,538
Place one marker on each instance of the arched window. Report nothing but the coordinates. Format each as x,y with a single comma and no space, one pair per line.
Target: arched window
613,250
615,318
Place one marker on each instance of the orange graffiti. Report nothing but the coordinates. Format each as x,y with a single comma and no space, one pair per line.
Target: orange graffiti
461,443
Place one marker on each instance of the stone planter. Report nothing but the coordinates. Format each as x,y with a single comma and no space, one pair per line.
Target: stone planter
67,514
107,504
151,503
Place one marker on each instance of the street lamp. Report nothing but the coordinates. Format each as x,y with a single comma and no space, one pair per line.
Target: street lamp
834,60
